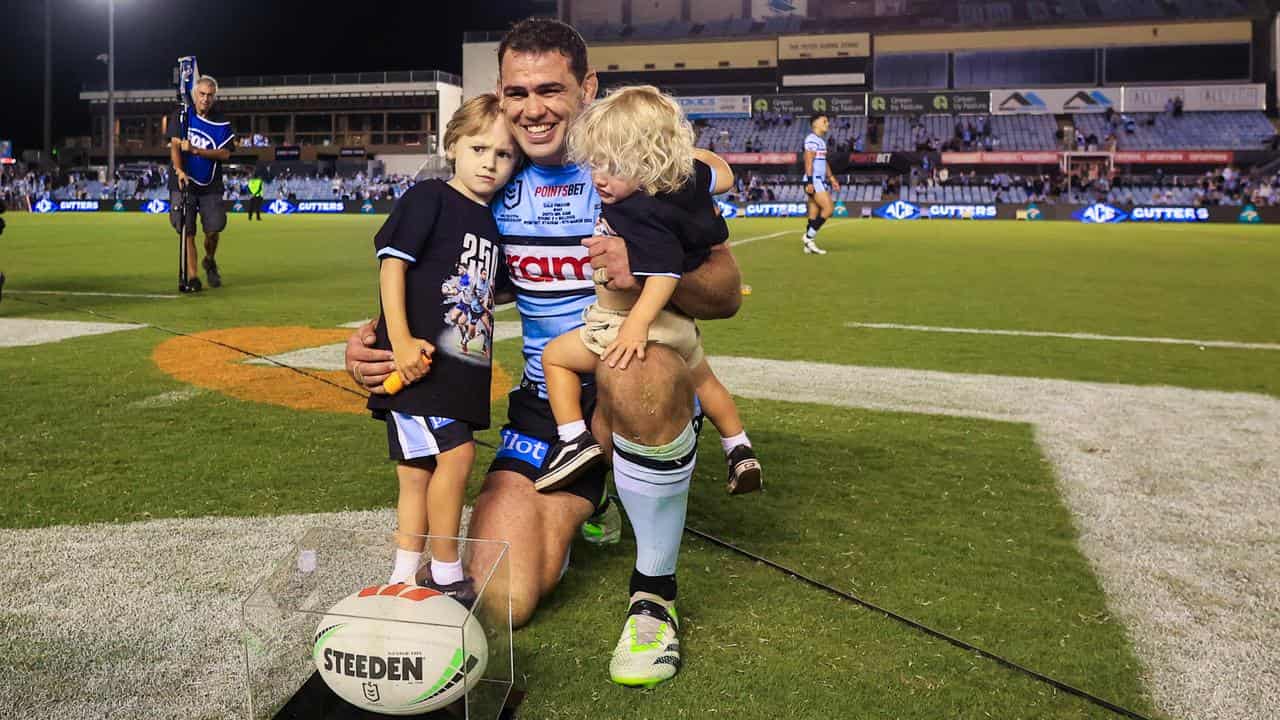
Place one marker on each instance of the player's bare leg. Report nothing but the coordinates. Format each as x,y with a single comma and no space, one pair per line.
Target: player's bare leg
539,527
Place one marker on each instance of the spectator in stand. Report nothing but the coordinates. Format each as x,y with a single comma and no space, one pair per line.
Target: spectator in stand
1177,107
1130,125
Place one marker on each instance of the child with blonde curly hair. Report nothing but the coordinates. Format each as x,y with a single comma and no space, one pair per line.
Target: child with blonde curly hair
656,193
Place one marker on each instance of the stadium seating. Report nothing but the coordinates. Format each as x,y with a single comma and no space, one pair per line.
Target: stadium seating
1198,130
732,135
1009,132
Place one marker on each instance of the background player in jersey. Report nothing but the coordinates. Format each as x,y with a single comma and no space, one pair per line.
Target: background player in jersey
546,216
818,181
436,229
197,169
658,197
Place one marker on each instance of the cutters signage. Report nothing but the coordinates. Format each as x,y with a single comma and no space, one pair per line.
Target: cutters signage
1169,214
45,205
898,210
1100,213
320,206
1054,101
966,212
777,210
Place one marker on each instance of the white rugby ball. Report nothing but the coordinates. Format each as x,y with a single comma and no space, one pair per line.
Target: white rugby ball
374,650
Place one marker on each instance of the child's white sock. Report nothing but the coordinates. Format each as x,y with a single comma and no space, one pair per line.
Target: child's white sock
571,430
406,567
729,443
446,573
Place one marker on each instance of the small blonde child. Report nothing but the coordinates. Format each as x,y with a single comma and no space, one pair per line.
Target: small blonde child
437,249
656,193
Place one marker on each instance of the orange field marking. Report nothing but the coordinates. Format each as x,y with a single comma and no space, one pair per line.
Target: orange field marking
194,361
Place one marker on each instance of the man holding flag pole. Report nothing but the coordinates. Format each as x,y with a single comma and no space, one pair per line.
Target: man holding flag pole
199,143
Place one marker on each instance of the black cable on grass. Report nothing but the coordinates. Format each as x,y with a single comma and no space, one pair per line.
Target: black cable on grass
1038,676
250,353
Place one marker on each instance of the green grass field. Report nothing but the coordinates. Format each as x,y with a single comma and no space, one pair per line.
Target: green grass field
956,522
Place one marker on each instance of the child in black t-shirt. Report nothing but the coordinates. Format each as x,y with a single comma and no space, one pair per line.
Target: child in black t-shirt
656,193
436,245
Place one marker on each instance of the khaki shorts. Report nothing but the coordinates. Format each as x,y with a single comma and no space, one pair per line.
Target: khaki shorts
678,332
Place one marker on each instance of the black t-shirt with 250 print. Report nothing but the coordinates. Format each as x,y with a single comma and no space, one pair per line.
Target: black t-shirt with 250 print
451,245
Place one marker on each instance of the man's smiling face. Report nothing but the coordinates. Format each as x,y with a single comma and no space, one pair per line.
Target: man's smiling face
540,98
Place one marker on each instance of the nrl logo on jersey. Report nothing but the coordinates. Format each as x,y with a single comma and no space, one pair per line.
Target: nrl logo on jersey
511,196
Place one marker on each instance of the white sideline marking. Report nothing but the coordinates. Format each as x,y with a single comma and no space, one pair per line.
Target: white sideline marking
92,294
744,241
1173,491
22,332
354,324
1069,336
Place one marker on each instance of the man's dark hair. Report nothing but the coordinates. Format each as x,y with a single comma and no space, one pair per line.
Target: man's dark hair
540,35
817,115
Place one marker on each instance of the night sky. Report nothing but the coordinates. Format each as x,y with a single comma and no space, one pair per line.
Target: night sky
230,37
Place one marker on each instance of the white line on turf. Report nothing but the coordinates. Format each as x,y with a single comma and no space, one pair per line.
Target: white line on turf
744,241
92,294
1069,336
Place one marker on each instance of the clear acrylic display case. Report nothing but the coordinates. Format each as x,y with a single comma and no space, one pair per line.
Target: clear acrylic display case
280,616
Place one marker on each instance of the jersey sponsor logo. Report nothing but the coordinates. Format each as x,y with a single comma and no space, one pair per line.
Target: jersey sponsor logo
1100,213
1169,214
511,196
559,191
201,139
537,267
321,206
522,447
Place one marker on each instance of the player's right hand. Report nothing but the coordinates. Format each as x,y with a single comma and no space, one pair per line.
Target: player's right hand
183,179
808,189
413,359
368,365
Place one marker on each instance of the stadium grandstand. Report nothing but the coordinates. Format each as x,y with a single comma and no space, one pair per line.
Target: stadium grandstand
1011,102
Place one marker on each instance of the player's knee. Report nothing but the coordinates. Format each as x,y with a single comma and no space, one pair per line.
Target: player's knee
650,402
523,604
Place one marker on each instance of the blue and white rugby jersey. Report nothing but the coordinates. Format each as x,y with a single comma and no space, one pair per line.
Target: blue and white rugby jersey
818,147
543,215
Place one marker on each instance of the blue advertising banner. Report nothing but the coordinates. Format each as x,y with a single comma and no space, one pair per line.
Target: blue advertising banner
963,212
155,206
776,209
898,210
1169,214
46,205
1100,213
